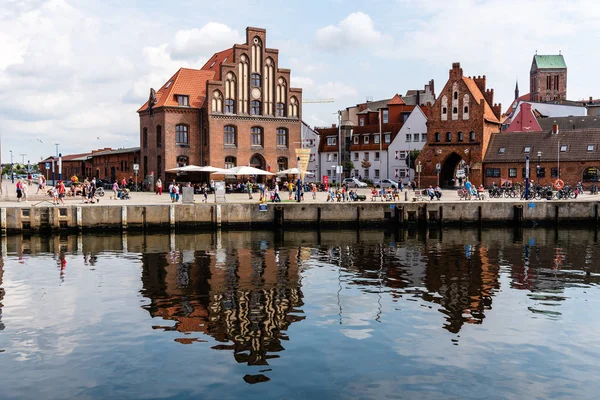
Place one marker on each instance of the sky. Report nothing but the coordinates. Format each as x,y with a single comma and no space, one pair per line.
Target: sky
74,72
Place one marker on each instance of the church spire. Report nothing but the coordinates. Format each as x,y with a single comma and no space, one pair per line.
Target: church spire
517,90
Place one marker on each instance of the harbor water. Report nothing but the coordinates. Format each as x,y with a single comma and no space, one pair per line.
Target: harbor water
428,314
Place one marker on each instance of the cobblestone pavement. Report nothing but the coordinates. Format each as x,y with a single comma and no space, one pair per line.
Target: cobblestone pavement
9,198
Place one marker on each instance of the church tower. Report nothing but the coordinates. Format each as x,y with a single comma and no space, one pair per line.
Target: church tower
548,78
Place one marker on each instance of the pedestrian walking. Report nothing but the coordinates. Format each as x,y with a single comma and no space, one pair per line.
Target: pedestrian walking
159,187
41,184
276,197
61,191
54,193
115,189
19,187
249,185
92,191
172,191
24,192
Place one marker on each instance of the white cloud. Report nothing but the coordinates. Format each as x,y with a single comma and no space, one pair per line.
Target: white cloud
356,30
336,90
302,82
211,38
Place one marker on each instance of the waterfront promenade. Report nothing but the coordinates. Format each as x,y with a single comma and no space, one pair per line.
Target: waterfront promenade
9,199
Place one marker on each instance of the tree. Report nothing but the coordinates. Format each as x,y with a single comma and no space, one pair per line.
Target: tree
348,165
411,158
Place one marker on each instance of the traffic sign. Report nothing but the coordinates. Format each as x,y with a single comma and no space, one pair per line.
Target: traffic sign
136,167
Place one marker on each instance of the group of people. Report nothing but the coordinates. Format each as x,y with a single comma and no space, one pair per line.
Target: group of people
389,194
434,192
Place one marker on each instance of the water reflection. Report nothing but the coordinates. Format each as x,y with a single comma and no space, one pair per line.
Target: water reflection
245,298
254,294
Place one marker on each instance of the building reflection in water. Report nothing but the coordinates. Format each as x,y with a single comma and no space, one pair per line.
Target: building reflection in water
244,298
1,289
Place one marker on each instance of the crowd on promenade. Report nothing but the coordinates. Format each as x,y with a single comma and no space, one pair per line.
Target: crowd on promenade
91,190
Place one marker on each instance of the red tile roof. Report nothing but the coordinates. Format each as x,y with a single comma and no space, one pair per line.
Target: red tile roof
513,105
189,82
68,157
488,114
214,63
396,100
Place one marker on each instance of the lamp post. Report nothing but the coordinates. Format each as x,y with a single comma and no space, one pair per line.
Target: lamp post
558,158
337,174
419,168
12,174
527,178
539,167
409,139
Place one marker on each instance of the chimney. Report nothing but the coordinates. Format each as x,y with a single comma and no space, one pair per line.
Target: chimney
555,129
591,100
418,102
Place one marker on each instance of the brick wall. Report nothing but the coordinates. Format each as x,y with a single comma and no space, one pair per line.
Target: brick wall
541,76
570,172
470,151
244,151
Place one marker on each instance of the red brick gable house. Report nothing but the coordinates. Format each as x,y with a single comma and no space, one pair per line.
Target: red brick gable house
238,109
459,127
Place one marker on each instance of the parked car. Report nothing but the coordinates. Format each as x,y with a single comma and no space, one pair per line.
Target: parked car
385,183
353,182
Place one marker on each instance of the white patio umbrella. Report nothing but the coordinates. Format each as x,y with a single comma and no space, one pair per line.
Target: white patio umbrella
186,168
293,171
243,170
195,168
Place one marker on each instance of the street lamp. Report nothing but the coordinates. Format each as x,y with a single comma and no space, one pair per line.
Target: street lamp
558,164
539,167
527,178
409,139
12,174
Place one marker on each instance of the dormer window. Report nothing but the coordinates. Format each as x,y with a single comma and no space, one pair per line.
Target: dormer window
183,101
361,122
356,139
501,150
366,139
563,147
590,147
527,149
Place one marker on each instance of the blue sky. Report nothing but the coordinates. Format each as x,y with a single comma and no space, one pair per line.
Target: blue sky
75,71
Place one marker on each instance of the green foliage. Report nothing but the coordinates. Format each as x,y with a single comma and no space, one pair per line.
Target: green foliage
414,154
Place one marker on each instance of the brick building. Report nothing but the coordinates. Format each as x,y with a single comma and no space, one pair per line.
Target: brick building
567,147
548,78
114,164
459,128
238,109
72,164
365,143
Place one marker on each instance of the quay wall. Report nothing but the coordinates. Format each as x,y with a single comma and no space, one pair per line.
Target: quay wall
210,216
